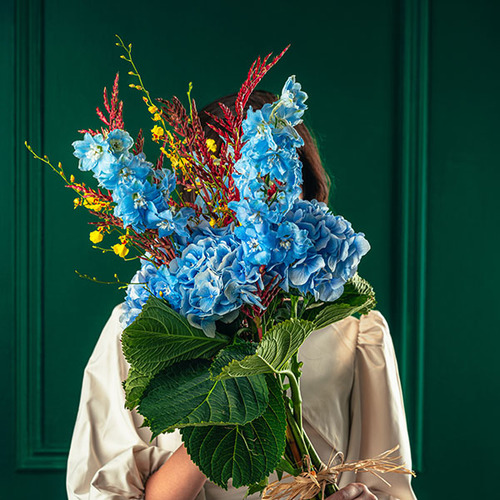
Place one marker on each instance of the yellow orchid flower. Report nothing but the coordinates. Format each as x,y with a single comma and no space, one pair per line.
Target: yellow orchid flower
120,249
96,236
212,147
157,133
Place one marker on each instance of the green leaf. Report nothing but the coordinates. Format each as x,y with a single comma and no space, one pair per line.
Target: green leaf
160,337
358,297
246,453
256,488
278,345
134,386
185,395
286,466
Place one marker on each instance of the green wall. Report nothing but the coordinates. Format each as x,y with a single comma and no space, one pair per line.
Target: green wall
404,101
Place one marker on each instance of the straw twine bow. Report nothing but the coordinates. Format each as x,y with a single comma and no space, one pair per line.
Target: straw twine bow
308,484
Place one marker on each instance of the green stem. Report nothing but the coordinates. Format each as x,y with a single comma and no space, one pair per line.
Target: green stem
295,422
313,455
297,433
330,489
296,397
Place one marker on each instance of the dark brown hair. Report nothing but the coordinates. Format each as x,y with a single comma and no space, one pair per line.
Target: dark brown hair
316,183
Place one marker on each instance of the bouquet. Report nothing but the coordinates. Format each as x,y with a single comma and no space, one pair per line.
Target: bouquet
236,271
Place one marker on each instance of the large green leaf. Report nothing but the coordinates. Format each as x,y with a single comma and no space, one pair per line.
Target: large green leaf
278,345
185,395
246,453
160,337
134,386
358,297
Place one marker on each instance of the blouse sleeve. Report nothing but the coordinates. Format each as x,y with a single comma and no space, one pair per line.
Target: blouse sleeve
378,421
110,456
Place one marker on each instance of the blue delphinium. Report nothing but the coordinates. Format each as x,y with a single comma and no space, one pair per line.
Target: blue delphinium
92,151
143,204
119,142
141,194
127,167
269,172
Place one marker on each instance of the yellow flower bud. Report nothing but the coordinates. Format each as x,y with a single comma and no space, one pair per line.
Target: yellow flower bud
96,236
152,109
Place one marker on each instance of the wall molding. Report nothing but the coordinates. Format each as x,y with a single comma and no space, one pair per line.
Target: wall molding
32,452
413,164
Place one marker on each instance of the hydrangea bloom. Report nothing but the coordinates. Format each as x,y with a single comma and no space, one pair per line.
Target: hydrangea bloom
207,283
137,293
334,255
212,281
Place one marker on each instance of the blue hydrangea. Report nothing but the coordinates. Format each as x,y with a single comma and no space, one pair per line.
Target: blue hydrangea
334,253
212,282
137,293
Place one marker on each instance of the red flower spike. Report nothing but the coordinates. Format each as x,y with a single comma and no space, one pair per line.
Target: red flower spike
113,107
139,143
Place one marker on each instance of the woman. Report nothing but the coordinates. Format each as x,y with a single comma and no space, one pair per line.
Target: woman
350,385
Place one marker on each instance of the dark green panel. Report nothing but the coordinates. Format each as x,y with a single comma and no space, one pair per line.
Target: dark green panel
7,274
462,409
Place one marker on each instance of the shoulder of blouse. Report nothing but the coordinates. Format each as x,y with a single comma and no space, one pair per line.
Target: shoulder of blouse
373,329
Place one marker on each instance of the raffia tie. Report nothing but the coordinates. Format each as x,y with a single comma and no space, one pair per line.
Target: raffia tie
308,484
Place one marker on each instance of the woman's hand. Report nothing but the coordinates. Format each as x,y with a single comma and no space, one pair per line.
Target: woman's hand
353,491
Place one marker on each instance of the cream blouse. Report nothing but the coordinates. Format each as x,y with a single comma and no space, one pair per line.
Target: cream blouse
352,403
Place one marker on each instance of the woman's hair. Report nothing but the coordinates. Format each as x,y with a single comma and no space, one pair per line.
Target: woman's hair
316,183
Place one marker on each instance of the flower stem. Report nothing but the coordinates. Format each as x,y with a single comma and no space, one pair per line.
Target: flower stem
296,433
296,397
